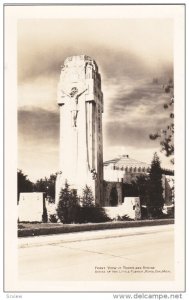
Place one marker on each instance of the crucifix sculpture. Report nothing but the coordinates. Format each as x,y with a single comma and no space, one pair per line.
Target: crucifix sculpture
75,96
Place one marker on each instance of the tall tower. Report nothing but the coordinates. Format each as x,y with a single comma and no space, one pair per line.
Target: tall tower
81,147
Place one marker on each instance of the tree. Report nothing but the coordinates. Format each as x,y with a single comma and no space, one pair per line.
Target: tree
85,212
87,197
67,205
51,186
166,135
155,201
41,185
24,185
142,183
45,215
89,211
46,185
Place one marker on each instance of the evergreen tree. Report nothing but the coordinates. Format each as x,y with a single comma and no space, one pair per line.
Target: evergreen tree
90,212
155,202
68,204
87,197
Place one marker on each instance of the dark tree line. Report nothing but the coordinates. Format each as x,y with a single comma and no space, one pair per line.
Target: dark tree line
24,185
45,185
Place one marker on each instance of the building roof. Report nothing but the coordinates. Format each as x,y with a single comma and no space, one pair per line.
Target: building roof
124,161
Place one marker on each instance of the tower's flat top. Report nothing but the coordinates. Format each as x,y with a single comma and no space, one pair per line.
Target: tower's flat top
79,61
79,58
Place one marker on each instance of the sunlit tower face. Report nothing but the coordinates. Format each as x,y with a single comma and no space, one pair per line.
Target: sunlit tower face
80,100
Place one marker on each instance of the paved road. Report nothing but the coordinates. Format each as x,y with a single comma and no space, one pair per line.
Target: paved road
145,253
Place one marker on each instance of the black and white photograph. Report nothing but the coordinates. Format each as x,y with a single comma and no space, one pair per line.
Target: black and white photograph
94,148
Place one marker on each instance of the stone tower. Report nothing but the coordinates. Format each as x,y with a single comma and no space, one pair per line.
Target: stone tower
81,106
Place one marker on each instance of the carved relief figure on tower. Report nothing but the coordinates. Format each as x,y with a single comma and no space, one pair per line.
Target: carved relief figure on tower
94,174
74,91
74,96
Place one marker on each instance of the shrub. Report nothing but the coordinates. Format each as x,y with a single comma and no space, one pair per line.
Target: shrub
144,213
53,218
124,218
93,214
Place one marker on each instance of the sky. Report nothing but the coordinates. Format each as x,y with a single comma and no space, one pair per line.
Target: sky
130,53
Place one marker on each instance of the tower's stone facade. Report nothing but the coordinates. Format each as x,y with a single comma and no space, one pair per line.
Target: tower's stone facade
81,106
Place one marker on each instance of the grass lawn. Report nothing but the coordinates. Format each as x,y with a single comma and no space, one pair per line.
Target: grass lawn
33,229
41,225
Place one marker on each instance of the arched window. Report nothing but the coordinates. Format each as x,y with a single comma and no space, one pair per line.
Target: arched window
113,197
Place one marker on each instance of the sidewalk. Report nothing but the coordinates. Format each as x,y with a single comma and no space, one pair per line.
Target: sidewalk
88,235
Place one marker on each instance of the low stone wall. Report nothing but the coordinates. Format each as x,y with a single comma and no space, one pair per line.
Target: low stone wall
45,229
130,209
